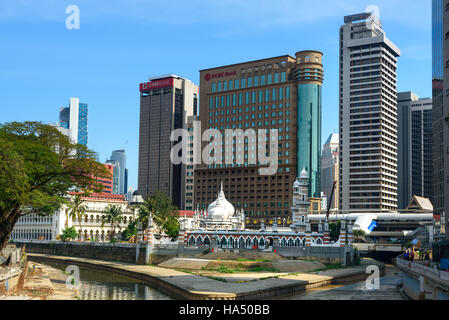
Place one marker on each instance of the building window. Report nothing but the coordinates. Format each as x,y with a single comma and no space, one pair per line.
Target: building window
283,78
214,87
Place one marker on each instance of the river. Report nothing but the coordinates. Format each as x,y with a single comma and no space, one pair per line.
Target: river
388,289
101,285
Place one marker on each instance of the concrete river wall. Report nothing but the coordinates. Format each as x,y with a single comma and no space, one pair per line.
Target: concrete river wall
122,252
423,283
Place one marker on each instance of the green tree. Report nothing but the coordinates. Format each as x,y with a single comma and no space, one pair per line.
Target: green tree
69,234
77,210
130,230
113,215
38,165
358,233
165,214
334,231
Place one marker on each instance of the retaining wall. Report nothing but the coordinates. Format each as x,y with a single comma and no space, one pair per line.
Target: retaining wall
330,254
423,283
122,252
12,275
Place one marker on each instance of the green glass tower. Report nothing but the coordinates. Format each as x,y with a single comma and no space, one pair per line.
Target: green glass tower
309,77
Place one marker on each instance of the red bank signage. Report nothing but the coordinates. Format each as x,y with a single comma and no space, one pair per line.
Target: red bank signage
147,86
209,76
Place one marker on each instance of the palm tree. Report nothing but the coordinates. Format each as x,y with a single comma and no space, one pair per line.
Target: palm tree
163,213
148,206
77,210
112,215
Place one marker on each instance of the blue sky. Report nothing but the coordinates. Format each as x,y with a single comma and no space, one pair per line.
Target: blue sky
118,45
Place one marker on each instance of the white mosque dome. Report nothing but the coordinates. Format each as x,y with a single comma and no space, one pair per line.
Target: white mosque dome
296,184
304,174
221,209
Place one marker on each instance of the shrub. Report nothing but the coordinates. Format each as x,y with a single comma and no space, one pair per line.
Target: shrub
358,233
69,234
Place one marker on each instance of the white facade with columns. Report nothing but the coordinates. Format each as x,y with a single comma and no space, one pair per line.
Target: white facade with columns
34,227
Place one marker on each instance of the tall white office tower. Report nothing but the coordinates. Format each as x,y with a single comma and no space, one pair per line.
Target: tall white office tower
368,115
73,121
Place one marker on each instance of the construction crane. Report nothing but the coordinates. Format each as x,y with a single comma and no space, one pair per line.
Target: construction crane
330,200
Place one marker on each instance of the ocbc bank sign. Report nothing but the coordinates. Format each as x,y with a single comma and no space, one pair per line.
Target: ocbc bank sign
210,76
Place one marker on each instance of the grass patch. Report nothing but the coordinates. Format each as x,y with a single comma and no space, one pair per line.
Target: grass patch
263,269
241,268
224,269
253,260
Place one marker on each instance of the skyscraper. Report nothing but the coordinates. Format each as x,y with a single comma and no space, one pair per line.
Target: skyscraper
282,93
189,184
120,157
126,180
73,121
368,115
309,77
440,131
414,147
443,117
115,176
330,170
165,104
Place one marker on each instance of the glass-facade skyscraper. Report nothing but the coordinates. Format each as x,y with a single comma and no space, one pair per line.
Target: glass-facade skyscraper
120,157
73,121
309,74
82,124
414,147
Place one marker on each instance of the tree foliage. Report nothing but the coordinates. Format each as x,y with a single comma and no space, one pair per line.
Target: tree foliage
334,231
69,234
38,165
358,233
76,209
112,215
130,230
165,215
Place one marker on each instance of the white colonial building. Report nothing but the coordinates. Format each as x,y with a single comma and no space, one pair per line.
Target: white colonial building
34,227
